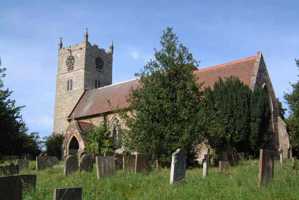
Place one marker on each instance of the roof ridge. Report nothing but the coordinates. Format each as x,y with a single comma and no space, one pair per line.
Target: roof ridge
227,63
114,84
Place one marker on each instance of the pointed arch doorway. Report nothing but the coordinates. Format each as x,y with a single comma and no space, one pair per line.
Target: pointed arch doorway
73,146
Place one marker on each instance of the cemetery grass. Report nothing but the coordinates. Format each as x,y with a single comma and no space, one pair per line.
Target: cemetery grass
239,182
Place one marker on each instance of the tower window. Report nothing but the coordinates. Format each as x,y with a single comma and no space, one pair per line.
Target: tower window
69,85
97,83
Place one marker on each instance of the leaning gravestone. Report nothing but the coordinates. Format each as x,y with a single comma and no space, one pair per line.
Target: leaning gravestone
178,166
68,194
86,162
205,165
43,161
28,182
266,166
10,188
105,166
23,164
71,164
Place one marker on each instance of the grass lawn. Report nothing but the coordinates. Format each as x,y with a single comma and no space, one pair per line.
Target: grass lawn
239,182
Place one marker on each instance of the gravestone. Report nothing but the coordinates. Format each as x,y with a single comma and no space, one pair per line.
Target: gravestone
23,164
266,166
205,165
10,188
86,162
8,170
43,161
71,164
28,182
105,166
223,165
178,166
68,194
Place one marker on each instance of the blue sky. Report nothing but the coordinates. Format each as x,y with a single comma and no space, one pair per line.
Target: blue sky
214,31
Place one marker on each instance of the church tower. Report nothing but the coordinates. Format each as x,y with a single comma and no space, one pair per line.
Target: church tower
80,67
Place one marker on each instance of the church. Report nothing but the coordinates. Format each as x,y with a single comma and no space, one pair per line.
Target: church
86,97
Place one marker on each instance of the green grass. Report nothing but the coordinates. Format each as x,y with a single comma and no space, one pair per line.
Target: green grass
239,182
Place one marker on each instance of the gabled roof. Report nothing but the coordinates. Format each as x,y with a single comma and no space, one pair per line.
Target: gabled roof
114,97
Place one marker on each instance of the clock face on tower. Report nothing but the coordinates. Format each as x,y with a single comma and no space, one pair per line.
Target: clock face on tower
70,61
99,63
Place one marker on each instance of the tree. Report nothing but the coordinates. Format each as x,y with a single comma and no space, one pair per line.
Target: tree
165,106
54,144
235,117
14,139
292,99
98,141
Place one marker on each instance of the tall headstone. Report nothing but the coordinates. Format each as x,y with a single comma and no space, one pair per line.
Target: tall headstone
105,166
68,194
86,162
10,188
205,165
71,164
178,166
266,166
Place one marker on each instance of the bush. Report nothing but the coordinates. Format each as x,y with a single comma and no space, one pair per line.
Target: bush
53,145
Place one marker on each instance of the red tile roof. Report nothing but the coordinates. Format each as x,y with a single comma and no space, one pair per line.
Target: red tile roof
114,97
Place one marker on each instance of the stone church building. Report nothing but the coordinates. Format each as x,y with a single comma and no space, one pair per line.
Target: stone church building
86,97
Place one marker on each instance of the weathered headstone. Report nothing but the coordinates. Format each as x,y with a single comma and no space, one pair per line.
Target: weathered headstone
43,161
205,165
23,164
71,164
28,182
266,166
223,165
105,166
10,169
86,162
10,188
68,194
178,166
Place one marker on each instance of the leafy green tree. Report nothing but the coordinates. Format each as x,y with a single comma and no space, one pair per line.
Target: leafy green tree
13,132
236,119
54,144
165,106
98,141
292,99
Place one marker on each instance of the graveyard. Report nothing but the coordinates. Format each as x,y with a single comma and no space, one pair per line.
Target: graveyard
237,182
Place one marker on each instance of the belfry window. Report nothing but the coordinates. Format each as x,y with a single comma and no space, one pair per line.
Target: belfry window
97,83
69,85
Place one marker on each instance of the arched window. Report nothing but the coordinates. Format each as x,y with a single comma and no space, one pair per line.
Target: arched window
116,133
73,146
